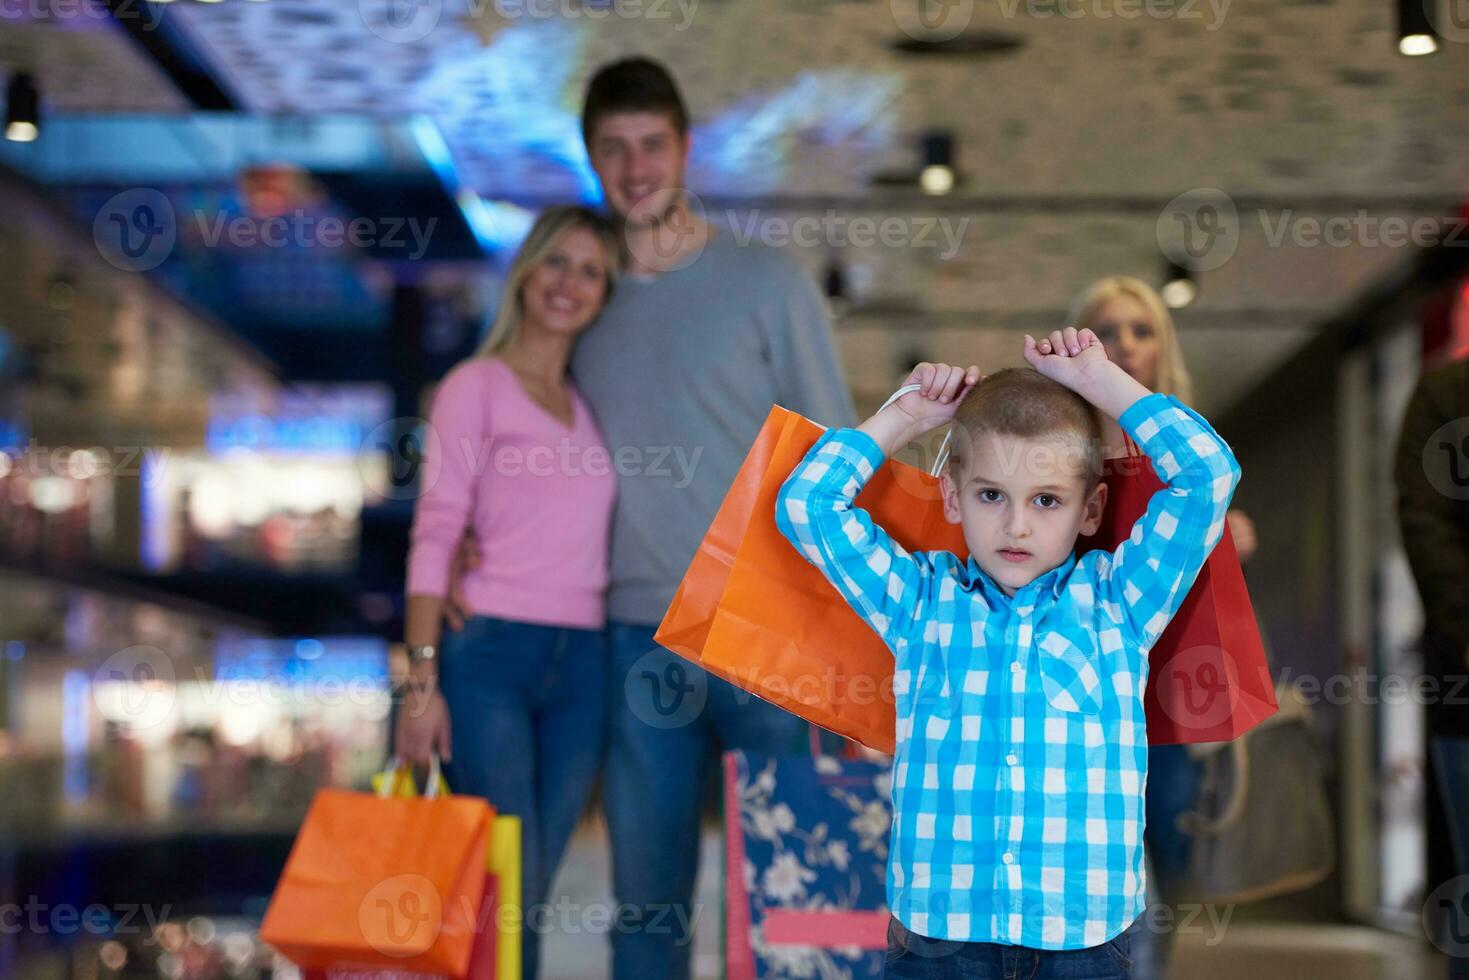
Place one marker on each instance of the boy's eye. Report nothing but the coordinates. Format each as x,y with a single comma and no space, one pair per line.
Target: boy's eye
1048,501
989,495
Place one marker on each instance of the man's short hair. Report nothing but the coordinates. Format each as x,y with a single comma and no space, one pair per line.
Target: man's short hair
1024,403
632,85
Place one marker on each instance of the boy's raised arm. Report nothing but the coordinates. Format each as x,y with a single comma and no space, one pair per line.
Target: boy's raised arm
887,586
1150,573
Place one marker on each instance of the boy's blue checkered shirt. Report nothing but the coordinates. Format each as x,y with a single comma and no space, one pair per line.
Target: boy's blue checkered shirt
1021,742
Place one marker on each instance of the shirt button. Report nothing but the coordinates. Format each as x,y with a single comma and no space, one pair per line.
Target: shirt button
1011,759
1008,857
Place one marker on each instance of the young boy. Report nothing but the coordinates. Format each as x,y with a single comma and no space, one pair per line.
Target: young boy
1019,675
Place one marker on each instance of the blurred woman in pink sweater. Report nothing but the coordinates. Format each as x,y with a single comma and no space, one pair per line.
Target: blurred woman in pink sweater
514,700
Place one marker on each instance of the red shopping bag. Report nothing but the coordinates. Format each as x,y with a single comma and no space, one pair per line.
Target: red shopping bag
1208,679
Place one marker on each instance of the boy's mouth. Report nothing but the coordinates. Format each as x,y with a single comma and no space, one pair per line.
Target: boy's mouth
1014,554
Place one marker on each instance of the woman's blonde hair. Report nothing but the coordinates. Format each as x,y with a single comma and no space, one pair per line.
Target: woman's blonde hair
543,236
1173,377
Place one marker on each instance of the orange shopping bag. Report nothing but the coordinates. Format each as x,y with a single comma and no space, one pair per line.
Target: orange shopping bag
383,883
751,610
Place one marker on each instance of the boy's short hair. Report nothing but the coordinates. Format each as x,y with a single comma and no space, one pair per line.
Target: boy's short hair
632,85
1025,403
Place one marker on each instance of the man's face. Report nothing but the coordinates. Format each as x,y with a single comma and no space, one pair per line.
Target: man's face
640,158
1022,503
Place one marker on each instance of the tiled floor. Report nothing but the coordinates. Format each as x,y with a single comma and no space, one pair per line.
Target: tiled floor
578,948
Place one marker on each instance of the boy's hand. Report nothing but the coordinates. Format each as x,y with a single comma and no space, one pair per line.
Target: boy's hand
1077,360
944,387
1068,356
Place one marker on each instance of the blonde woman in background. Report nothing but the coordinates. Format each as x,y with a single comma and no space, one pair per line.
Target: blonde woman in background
513,698
1133,323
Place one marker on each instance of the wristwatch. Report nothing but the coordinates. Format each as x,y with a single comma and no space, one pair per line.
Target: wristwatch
420,654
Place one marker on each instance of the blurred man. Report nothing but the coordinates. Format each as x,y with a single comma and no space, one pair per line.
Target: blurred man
701,337
1432,473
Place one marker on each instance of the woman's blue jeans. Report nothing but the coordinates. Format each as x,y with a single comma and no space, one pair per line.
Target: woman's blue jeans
528,713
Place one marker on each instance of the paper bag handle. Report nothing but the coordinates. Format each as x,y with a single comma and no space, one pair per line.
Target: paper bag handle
943,455
390,778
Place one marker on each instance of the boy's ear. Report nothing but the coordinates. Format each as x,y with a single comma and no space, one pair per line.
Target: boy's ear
1095,505
950,491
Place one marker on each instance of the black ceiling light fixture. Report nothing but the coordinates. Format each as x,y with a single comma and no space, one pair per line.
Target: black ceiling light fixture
938,176
1179,288
22,109
1416,36
937,173
834,285
969,45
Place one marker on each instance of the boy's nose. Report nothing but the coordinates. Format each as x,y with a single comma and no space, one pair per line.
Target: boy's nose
1017,525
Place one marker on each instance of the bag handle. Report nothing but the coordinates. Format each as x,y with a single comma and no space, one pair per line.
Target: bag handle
942,458
390,778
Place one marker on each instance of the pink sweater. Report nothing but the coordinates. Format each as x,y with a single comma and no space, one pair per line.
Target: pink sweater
539,497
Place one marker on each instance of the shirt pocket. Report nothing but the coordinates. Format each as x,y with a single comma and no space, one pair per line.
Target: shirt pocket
1069,675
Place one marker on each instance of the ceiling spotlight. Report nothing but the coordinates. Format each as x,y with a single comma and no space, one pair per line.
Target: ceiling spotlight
937,176
22,110
1415,28
1179,288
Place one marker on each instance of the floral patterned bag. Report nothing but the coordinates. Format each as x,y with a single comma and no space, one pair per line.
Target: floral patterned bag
806,848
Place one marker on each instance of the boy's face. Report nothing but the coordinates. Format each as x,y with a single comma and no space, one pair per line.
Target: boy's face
1022,503
640,158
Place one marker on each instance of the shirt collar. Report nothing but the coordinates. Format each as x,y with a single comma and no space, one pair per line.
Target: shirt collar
1053,581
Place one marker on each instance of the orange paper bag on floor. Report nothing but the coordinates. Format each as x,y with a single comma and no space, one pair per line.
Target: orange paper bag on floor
383,882
753,611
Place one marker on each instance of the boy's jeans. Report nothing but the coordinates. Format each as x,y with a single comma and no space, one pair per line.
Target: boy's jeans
915,957
666,714
528,719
